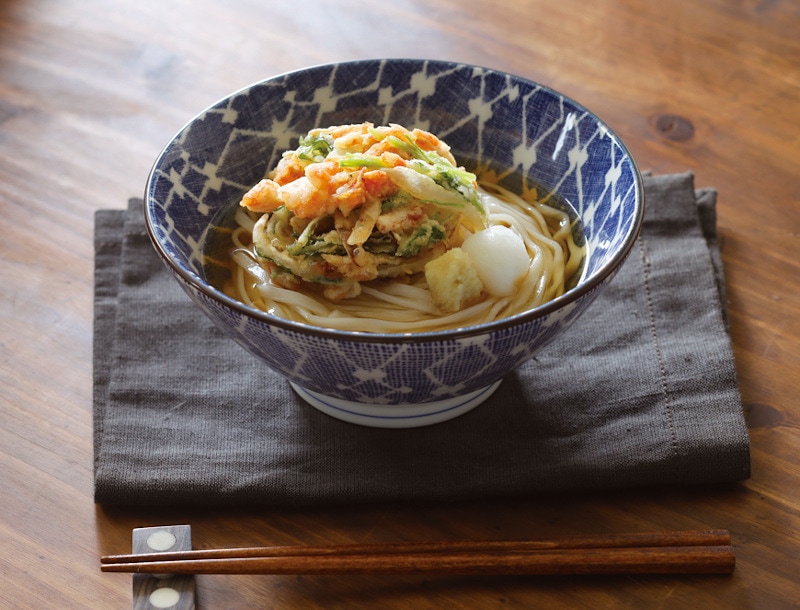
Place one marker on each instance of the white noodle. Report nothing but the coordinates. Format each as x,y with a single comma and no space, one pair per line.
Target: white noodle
397,307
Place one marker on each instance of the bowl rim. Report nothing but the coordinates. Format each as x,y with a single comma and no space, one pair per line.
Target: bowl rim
609,268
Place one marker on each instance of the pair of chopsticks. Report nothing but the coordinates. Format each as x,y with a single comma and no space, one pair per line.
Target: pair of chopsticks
683,552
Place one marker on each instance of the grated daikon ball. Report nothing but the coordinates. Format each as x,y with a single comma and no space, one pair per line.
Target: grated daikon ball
500,258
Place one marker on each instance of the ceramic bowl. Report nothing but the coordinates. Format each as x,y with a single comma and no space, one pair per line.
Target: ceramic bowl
494,122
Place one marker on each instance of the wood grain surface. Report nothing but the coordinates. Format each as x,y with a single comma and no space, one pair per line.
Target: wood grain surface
91,91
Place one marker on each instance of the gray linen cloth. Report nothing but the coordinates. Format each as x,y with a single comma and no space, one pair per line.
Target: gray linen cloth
641,390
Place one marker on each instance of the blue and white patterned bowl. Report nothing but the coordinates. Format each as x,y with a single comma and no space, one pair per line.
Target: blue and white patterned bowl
494,122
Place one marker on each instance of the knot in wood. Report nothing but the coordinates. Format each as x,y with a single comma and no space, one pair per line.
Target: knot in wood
674,127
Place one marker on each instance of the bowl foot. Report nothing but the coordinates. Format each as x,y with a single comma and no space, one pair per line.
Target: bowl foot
395,416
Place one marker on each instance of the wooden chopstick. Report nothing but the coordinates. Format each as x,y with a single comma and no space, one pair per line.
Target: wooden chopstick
635,560
698,552
626,540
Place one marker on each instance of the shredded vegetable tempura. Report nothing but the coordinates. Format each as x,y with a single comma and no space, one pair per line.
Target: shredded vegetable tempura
354,203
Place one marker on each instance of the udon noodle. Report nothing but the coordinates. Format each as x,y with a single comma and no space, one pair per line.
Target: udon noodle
388,306
404,304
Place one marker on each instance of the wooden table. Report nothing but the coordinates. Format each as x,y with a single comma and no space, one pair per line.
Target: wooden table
89,93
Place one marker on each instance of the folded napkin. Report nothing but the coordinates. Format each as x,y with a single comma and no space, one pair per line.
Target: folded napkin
641,390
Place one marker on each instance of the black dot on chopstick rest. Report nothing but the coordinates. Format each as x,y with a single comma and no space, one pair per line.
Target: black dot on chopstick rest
674,127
